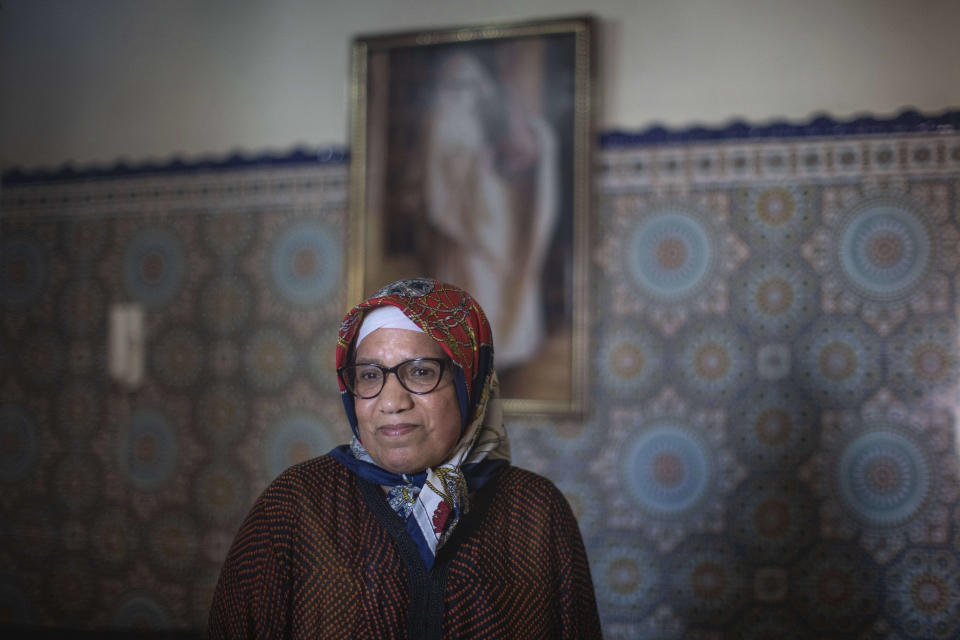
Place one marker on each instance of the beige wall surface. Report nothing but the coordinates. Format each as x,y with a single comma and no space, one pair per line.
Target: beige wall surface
99,80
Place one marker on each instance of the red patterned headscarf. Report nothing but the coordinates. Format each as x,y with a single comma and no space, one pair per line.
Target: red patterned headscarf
434,501
451,317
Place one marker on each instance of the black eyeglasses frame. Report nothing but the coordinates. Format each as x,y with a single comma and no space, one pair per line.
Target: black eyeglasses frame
443,362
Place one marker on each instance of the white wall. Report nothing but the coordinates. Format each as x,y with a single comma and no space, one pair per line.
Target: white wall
96,80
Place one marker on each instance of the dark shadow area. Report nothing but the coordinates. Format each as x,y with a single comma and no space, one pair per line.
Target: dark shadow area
15,631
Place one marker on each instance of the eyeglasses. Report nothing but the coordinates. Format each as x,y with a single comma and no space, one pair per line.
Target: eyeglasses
366,380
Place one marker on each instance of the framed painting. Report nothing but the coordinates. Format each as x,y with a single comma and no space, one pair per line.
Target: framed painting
471,162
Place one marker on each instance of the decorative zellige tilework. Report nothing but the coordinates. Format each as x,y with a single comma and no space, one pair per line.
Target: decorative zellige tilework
771,447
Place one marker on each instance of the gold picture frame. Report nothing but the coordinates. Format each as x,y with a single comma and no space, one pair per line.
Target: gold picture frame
471,162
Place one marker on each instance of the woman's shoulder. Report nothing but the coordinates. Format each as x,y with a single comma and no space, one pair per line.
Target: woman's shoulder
511,475
524,499
314,478
308,469
523,485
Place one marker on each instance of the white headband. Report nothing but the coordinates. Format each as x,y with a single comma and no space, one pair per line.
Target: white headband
385,317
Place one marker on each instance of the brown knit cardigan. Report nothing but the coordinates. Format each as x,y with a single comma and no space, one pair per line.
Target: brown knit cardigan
322,555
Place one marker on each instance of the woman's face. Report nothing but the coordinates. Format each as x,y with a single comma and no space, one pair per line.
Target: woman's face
404,432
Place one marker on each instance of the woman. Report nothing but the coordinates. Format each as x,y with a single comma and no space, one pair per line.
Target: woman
420,528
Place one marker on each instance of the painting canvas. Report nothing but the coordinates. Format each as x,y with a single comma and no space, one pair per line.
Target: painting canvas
470,154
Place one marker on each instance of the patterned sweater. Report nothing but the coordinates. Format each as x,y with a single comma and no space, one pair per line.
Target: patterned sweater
322,555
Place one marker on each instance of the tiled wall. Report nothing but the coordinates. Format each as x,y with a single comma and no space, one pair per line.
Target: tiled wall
771,446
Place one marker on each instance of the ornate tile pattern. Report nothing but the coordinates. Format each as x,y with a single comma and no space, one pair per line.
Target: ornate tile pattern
772,443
